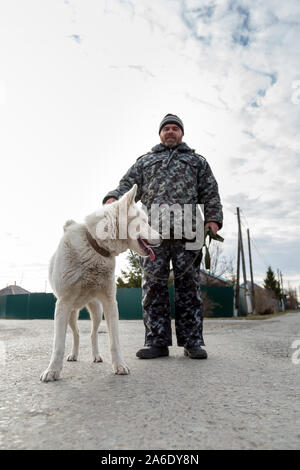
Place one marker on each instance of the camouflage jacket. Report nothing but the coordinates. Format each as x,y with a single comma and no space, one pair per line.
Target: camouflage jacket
169,176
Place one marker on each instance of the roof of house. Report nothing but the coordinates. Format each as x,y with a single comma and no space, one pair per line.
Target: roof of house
211,275
13,290
256,286
208,275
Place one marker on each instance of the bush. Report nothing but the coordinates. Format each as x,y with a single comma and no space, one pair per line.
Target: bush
265,302
208,305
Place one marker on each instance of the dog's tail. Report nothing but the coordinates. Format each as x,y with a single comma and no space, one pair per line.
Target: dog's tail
68,223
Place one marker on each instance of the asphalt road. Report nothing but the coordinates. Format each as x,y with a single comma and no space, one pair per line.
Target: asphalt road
244,396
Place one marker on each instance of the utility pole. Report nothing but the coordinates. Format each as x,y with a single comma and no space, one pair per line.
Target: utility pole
251,273
279,284
248,307
281,281
282,300
237,283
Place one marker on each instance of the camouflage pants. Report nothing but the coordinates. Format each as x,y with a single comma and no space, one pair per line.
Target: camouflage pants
187,299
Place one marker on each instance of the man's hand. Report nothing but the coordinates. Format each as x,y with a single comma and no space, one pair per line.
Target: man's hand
213,226
110,200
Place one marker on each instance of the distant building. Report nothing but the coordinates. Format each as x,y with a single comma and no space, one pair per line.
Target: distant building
13,290
265,300
208,279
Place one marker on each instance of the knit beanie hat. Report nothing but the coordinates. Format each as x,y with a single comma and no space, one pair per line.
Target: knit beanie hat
171,119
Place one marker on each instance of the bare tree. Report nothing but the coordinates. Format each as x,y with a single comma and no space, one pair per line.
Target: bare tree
291,299
220,265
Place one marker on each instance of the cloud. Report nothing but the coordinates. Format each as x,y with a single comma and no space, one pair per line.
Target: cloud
237,162
142,69
76,38
212,104
275,217
227,67
191,17
3,92
274,253
128,4
241,34
139,68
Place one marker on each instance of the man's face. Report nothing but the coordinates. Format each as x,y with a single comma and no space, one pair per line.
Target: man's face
171,135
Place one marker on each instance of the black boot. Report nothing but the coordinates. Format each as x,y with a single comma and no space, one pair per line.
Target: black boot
195,353
153,352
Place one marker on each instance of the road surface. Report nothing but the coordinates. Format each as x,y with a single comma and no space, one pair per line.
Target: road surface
244,396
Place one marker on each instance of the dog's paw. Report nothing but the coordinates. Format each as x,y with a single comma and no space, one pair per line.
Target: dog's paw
49,375
72,357
97,358
121,368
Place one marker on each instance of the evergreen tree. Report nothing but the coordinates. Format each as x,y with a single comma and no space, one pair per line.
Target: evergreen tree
133,276
271,284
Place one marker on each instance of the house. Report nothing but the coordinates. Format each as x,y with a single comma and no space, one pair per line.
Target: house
265,300
13,290
208,279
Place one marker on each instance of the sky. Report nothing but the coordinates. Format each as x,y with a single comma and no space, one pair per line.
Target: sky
84,85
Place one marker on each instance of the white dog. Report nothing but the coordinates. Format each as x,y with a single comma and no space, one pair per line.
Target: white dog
82,273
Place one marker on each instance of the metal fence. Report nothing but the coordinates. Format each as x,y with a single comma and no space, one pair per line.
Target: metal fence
41,305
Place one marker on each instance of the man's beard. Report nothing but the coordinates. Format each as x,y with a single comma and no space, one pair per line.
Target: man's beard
171,144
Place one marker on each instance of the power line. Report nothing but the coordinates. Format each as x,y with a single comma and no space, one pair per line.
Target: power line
262,256
254,242
245,217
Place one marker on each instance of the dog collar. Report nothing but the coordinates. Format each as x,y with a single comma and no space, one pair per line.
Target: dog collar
95,245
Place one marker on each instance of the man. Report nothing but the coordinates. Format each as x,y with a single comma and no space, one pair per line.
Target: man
172,173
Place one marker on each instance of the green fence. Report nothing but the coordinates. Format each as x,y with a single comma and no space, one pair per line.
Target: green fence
221,299
40,305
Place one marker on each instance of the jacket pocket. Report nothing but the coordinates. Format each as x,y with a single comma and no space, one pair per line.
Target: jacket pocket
189,169
151,168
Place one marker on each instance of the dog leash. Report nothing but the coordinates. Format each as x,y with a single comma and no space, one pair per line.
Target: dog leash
212,236
208,233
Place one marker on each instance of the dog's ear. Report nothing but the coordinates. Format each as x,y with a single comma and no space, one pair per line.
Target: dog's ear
129,197
102,224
